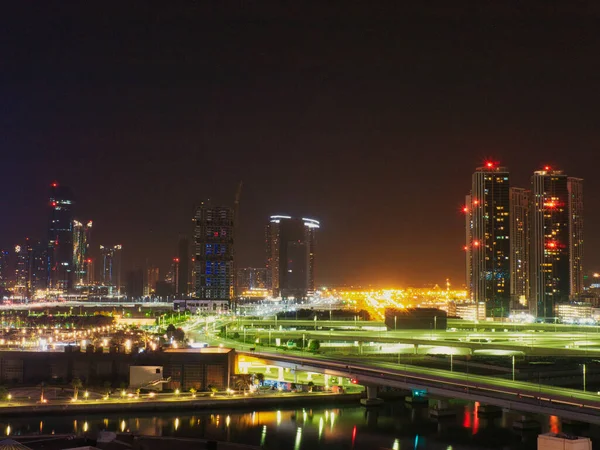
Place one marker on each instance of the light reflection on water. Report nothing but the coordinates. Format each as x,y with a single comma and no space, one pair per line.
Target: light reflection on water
392,426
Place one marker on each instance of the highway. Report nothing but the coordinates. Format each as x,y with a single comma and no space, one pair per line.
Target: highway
521,396
501,341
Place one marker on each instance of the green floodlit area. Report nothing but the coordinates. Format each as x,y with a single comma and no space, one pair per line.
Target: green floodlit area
552,354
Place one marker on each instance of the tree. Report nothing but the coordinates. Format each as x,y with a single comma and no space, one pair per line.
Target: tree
170,330
193,392
310,385
260,377
314,345
76,384
3,393
107,387
243,381
179,335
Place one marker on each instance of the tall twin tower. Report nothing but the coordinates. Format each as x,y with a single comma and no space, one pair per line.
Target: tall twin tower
524,246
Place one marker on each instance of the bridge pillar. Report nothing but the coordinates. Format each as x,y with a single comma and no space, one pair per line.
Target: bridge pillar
295,376
526,423
441,409
372,399
416,349
280,377
326,380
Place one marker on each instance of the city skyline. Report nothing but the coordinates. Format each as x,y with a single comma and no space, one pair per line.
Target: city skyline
375,143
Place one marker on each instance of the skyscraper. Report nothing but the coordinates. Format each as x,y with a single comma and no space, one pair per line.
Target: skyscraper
556,240
488,239
182,288
30,269
81,243
4,269
214,252
111,268
151,280
134,280
60,238
251,278
550,274
575,186
290,249
519,244
174,276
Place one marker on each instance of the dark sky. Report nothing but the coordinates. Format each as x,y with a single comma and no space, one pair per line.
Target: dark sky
369,118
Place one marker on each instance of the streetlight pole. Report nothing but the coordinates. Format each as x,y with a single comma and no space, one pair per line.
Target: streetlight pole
395,318
451,363
513,367
584,378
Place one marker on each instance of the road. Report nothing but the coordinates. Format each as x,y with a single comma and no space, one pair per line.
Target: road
523,396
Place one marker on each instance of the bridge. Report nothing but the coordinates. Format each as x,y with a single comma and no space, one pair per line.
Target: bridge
515,395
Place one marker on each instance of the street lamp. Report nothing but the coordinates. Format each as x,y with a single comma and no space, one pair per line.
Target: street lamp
395,318
513,367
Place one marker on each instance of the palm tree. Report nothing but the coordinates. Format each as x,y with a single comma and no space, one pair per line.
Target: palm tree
243,381
260,377
77,384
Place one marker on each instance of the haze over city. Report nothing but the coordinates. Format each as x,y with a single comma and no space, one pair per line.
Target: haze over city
371,121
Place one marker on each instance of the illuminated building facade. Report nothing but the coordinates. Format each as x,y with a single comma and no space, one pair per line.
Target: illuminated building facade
519,245
4,268
173,275
251,278
81,243
550,274
152,277
556,240
111,268
60,238
468,246
290,251
30,269
575,186
214,252
488,239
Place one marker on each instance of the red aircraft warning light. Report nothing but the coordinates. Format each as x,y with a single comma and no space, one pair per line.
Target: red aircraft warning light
546,168
476,243
489,164
55,184
465,209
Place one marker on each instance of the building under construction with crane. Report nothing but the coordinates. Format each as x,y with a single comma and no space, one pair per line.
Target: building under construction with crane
214,262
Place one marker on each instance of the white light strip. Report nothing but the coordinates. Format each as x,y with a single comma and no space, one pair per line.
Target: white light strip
281,217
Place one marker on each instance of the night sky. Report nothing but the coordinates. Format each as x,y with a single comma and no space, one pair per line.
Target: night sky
368,118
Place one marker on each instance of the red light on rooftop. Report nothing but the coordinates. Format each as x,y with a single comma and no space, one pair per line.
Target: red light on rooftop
175,259
55,184
476,243
53,203
465,209
489,164
546,168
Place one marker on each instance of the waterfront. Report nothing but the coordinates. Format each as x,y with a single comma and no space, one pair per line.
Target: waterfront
394,425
